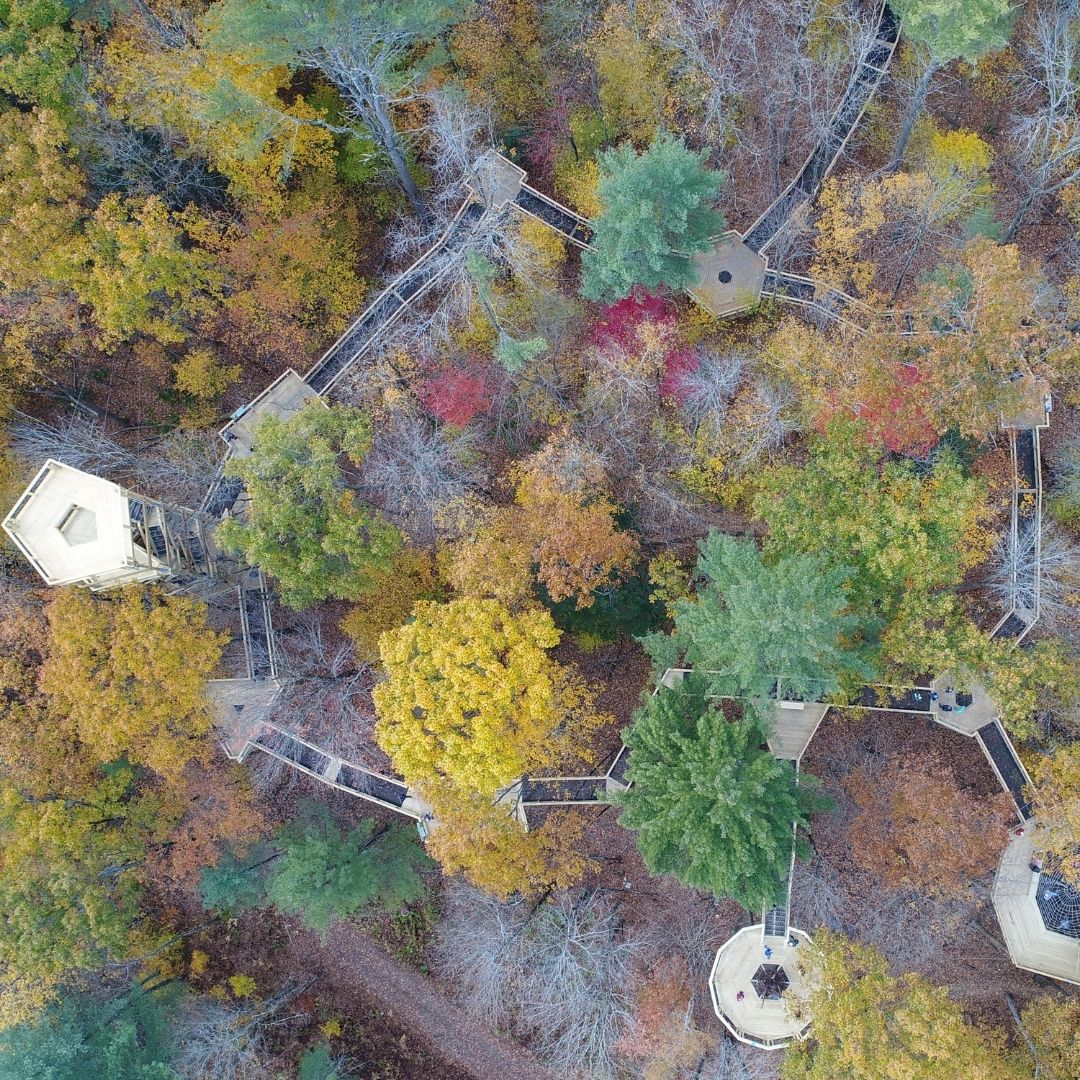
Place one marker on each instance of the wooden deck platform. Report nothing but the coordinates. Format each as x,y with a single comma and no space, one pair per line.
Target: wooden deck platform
767,1024
283,398
965,719
1031,946
793,726
730,277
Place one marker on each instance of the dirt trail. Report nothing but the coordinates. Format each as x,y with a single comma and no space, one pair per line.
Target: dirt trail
469,1049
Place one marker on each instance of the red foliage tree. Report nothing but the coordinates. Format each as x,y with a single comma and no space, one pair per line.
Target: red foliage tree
643,322
455,395
895,412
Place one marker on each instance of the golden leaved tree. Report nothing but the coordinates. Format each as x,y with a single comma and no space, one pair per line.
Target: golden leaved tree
473,698
129,672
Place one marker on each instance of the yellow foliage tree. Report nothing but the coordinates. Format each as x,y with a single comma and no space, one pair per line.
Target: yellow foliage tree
129,673
868,1023
396,590
483,842
472,697
1055,797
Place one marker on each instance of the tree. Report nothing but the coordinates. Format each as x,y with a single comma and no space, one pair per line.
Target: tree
657,215
946,30
236,882
37,51
1045,142
917,829
472,697
752,625
326,874
122,1039
905,536
978,324
136,269
40,191
304,526
708,804
367,50
129,675
1054,1027
1055,798
319,1063
561,971
576,546
489,847
870,1023
68,884
410,577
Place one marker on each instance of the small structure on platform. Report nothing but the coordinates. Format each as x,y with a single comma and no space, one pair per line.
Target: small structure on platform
758,985
963,709
283,398
730,277
79,529
1039,912
1035,404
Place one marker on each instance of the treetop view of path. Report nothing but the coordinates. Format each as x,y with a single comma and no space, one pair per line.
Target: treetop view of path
702,451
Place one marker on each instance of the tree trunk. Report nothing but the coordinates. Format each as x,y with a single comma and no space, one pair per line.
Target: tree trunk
1022,212
386,135
918,100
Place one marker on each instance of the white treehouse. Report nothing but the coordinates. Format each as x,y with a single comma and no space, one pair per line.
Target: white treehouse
78,529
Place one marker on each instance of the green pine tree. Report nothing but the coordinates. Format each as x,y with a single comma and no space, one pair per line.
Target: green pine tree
752,625
708,804
657,214
326,874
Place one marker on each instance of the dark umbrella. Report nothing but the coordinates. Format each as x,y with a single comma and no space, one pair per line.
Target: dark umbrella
770,981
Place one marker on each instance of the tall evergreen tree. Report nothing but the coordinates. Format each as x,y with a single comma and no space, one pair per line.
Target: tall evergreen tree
709,805
327,874
657,214
752,625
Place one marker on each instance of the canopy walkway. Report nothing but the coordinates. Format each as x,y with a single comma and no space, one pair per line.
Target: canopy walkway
864,81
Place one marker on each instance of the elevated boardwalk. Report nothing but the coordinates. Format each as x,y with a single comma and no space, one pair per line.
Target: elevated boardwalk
864,82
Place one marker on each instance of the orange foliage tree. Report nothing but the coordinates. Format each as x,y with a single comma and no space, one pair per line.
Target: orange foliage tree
916,828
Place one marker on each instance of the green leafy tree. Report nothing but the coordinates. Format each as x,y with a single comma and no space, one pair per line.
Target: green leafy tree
37,50
368,49
905,534
136,268
124,1039
946,30
868,1023
752,624
319,1063
708,804
304,525
657,214
69,883
326,874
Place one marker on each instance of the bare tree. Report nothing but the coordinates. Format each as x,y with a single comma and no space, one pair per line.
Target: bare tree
417,468
83,442
1045,141
736,1061
1036,570
560,973
769,87
705,392
480,948
576,988
225,1041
